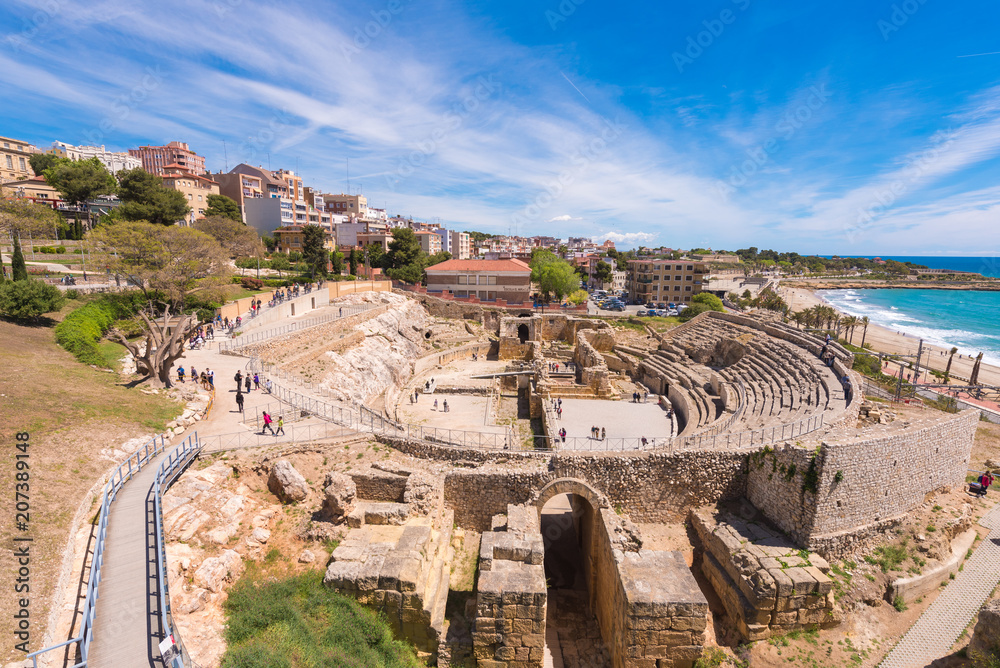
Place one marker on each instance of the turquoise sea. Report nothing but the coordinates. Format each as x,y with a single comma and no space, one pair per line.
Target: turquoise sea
987,266
966,319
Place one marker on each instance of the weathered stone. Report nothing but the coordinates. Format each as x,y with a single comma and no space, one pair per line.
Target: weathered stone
215,572
286,483
339,494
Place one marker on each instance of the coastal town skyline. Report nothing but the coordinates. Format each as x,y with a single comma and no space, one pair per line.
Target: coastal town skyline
869,129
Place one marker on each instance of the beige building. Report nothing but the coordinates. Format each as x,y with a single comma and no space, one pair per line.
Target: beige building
486,279
665,280
288,239
461,246
430,242
35,189
14,156
352,206
194,187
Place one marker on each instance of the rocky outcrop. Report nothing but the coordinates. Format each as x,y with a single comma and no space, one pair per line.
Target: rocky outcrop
215,572
339,493
986,636
423,493
286,483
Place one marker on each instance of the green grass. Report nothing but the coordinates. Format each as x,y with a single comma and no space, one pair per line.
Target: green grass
888,557
296,622
112,352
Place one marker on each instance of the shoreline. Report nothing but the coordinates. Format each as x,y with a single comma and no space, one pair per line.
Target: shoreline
885,340
854,284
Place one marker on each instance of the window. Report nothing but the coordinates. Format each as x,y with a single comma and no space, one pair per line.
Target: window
10,162
463,280
462,293
690,267
491,295
677,288
689,278
493,280
687,298
687,288
23,166
678,278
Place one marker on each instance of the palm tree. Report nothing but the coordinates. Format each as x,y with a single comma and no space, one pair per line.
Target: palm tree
864,323
947,369
849,322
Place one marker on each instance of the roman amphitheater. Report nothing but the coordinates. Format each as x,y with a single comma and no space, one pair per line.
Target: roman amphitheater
597,485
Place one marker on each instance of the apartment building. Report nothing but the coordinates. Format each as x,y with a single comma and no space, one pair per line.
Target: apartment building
461,245
195,188
14,155
292,238
156,158
352,206
430,241
113,161
486,279
665,280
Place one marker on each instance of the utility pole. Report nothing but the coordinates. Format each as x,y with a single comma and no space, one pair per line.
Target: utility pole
916,366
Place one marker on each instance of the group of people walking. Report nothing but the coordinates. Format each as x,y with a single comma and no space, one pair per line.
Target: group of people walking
206,378
268,421
639,397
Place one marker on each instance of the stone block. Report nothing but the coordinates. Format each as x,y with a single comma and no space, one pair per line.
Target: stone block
689,624
533,640
785,618
672,638
522,625
814,616
505,654
823,583
783,584
802,581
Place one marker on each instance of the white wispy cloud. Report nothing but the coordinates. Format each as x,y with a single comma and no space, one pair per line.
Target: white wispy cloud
562,219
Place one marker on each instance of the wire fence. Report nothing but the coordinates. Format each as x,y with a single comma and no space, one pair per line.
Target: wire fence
240,339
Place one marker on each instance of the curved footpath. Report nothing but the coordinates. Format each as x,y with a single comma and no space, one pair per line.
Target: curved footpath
933,635
127,621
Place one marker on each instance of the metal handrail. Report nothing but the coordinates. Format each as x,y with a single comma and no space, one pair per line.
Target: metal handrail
116,481
242,340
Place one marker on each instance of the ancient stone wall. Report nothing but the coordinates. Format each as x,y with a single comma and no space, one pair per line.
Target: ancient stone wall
311,341
647,603
379,485
766,585
861,486
647,487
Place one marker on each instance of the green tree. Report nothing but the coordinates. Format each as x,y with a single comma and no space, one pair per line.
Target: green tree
144,198
80,181
603,272
29,299
376,255
558,279
269,243
313,249
336,263
18,270
540,258
354,259
239,240
711,302
578,297
168,264
405,261
42,161
220,205
280,262
404,249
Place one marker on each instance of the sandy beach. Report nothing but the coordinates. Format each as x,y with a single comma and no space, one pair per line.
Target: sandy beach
886,340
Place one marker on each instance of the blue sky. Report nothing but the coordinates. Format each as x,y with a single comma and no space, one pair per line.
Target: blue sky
850,127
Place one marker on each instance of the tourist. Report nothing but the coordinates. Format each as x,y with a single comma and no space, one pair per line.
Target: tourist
645,396
256,382
281,426
985,480
560,402
644,441
267,385
562,434
239,381
604,434
559,412
435,404
211,379
246,383
267,424
180,374
445,405
194,376
239,400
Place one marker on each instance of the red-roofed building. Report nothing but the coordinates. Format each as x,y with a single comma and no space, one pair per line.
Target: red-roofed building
486,279
195,188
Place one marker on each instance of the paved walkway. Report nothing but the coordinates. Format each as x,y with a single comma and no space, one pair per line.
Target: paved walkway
942,623
127,616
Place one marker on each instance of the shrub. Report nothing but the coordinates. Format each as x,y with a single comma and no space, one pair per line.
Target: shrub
251,283
27,300
899,604
60,250
72,294
84,327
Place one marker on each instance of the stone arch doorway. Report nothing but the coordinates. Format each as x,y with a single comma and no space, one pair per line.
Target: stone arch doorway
522,333
568,515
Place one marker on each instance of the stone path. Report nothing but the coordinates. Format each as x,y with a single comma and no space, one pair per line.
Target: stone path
942,623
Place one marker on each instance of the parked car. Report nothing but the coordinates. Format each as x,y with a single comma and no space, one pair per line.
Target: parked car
661,305
672,312
650,305
681,307
671,305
